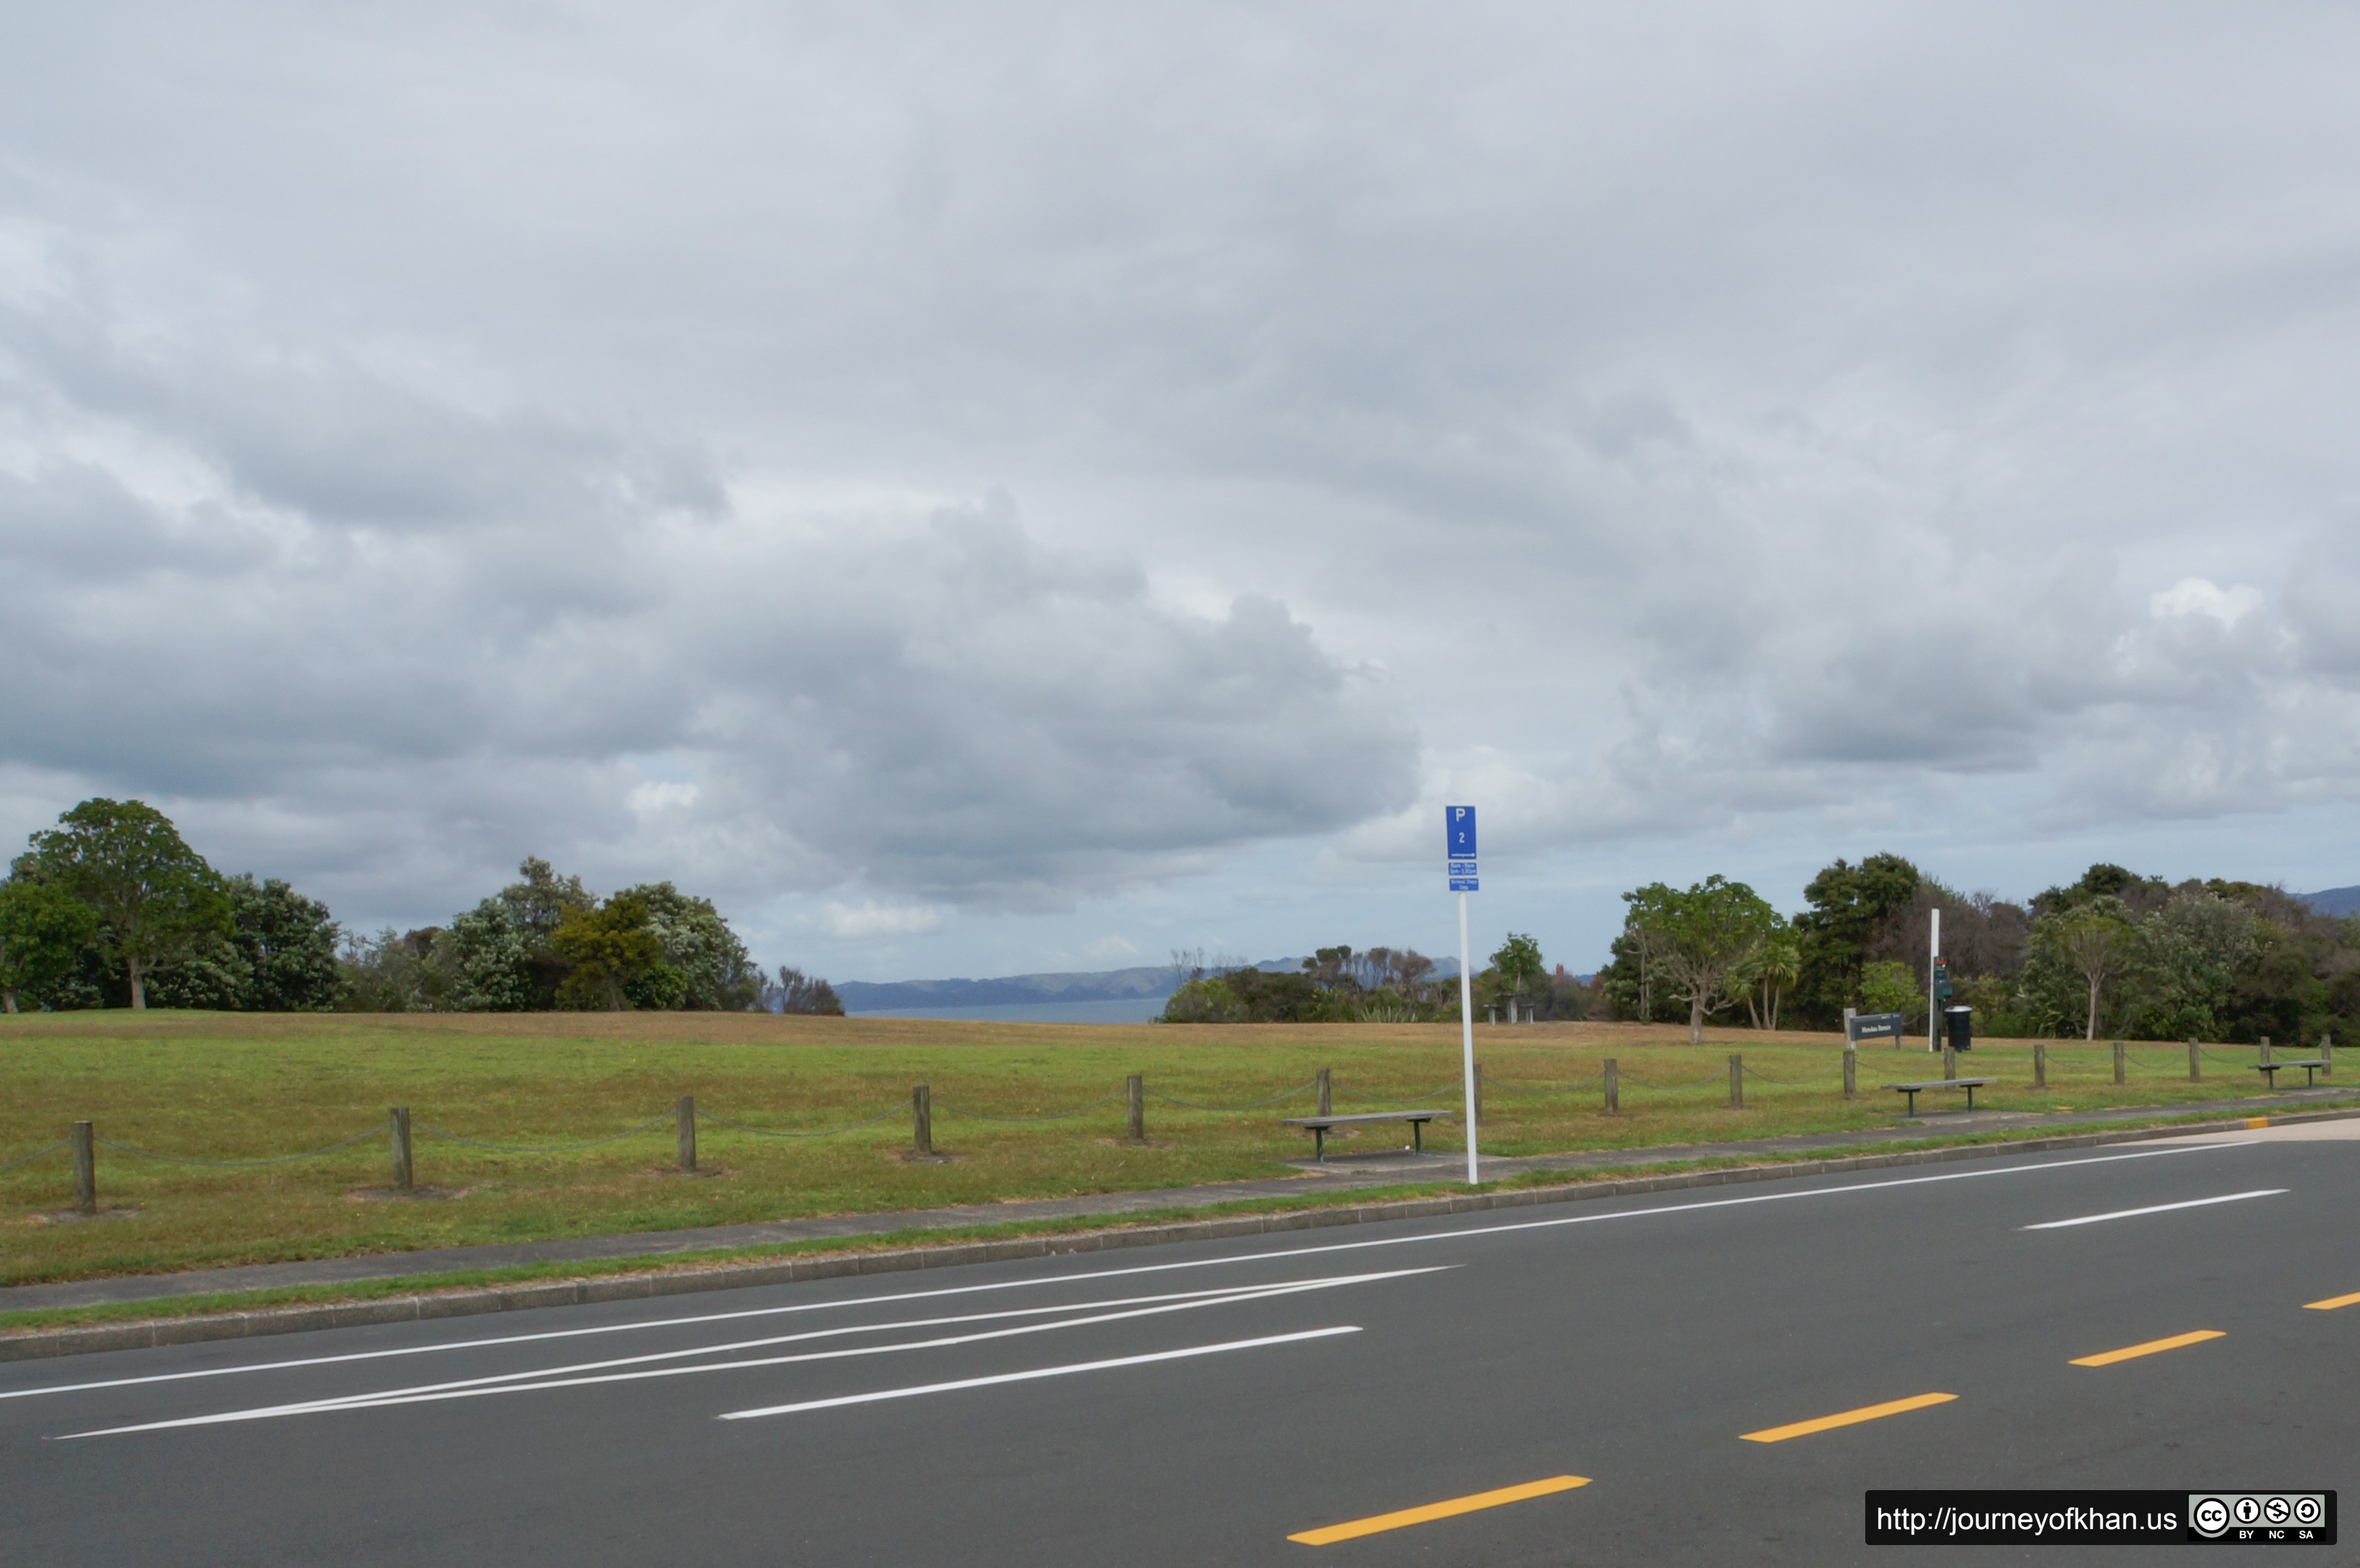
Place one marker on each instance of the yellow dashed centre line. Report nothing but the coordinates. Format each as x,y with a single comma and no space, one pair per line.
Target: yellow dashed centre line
1847,1418
2332,1302
1467,1505
2131,1352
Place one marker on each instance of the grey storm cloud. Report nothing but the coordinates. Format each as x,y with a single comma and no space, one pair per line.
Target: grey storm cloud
933,704
1002,455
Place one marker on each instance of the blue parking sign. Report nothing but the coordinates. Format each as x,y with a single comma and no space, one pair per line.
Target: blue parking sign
1459,831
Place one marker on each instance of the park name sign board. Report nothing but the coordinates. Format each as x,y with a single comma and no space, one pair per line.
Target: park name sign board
1873,1026
1459,848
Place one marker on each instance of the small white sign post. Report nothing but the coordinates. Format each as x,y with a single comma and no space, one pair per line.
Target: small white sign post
1933,963
1458,840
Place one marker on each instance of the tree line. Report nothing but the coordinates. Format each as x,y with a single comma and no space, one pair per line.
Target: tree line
1377,984
2114,952
111,907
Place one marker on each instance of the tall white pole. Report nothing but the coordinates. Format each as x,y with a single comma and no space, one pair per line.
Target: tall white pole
1467,1036
1933,952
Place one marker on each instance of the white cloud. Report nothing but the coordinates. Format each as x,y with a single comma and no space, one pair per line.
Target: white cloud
2195,596
648,799
870,919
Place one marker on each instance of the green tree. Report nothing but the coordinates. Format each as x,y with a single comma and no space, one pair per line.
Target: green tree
154,896
493,964
1888,986
43,930
2079,953
537,903
605,951
1632,979
392,972
2102,880
538,900
714,972
1771,974
1701,938
1245,995
278,956
2188,957
2100,946
1851,907
797,992
1517,966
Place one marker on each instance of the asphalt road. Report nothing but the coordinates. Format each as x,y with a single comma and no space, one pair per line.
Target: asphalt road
1203,1404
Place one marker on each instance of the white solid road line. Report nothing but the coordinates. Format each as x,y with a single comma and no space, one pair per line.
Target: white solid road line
1215,1297
1280,1255
2160,1209
1037,1372
421,1397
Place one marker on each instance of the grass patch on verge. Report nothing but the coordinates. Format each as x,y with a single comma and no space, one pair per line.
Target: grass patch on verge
434,1283
228,1086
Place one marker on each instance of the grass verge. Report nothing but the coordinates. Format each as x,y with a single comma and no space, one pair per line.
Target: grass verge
214,1086
435,1283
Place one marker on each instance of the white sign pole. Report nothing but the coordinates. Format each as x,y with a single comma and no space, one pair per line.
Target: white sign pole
1933,955
1467,1036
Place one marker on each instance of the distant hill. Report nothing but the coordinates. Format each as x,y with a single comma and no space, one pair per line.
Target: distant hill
2334,900
1146,984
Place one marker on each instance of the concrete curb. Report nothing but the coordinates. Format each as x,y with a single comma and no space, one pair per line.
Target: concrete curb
37,1344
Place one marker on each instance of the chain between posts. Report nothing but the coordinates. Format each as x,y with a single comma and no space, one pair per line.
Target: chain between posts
28,1158
895,1109
442,1137
1789,1083
1052,1117
1414,1099
109,1143
1250,1106
1535,1087
1701,1082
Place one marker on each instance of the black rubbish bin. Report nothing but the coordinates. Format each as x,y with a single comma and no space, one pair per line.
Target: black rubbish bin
1961,1031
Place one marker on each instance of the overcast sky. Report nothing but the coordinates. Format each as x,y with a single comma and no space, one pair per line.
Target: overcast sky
992,487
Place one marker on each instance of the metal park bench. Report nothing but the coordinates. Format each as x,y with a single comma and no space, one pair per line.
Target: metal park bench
1319,1126
2311,1067
1969,1084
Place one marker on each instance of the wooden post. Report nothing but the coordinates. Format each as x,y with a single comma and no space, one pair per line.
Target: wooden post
400,1117
2327,1056
1736,1082
683,1112
1949,1065
1852,1069
2265,1050
2040,1064
1134,1094
1326,1095
2195,1063
85,1163
922,1122
1614,1090
2118,1062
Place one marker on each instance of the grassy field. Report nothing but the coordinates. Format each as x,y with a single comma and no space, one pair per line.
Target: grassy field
222,1086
